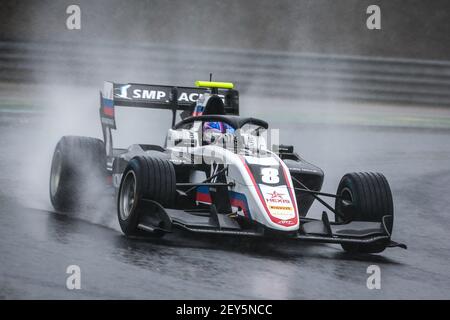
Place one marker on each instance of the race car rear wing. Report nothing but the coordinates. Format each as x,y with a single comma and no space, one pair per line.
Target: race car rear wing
157,97
154,97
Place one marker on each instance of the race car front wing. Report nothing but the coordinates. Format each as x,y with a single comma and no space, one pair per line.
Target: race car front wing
313,230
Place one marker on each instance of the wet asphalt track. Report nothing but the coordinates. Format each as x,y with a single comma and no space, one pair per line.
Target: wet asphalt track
37,244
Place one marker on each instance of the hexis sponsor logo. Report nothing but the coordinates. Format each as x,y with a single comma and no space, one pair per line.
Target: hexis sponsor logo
275,197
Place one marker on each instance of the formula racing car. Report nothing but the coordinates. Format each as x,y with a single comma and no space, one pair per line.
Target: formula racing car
215,174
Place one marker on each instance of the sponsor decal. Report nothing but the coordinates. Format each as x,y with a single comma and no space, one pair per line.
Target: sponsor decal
302,170
137,93
188,97
275,197
108,107
122,91
280,208
148,94
155,93
239,200
203,195
271,196
278,202
286,222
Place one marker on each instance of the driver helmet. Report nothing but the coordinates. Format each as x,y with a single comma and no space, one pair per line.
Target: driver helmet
212,126
217,126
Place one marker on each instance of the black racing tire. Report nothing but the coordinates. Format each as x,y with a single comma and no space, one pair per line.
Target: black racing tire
145,178
366,196
78,172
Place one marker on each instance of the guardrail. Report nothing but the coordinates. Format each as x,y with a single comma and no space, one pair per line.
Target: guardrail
310,76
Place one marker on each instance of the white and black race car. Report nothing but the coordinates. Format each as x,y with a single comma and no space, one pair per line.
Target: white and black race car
215,174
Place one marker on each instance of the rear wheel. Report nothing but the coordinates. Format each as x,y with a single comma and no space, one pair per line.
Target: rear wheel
365,196
78,172
147,186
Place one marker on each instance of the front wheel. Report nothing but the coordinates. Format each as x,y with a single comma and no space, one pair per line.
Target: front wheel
365,196
147,186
